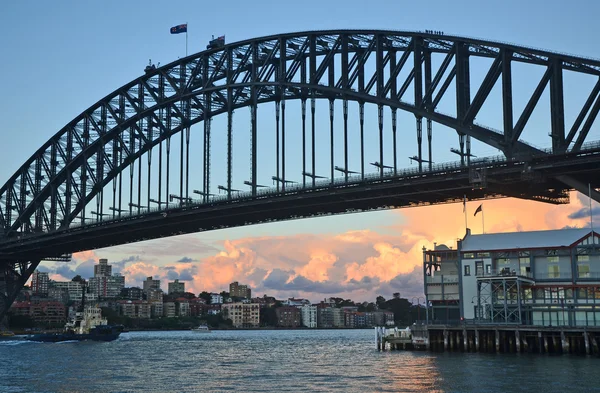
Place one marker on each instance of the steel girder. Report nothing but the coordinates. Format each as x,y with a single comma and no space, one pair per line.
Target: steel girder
54,186
13,275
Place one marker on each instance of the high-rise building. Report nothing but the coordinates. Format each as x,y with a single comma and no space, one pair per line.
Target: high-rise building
39,283
151,283
102,268
237,290
176,287
107,286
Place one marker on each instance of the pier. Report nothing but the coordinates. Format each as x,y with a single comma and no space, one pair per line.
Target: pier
491,339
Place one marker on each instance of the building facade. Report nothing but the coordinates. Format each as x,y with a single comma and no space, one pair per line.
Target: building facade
216,298
40,283
102,268
176,287
309,316
547,278
150,284
238,290
243,315
107,286
288,316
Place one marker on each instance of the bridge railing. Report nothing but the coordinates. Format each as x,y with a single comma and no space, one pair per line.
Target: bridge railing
353,180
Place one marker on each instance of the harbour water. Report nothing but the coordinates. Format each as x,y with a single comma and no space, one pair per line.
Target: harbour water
277,361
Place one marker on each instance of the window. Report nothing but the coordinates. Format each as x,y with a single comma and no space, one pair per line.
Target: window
502,261
553,271
583,271
467,270
488,269
479,268
552,259
483,254
468,255
583,258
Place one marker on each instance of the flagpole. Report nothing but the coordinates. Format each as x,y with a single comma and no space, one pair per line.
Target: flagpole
482,222
591,214
465,211
186,46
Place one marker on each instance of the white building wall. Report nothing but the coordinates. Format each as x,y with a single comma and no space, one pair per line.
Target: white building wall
309,316
469,284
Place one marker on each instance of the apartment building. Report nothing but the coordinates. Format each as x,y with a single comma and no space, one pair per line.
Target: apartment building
243,315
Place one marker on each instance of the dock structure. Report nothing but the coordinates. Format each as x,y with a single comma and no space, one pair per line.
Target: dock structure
491,339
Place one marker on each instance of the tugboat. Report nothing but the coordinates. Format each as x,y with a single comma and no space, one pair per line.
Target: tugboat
86,324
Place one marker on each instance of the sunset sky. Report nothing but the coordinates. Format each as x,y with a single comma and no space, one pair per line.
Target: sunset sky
56,67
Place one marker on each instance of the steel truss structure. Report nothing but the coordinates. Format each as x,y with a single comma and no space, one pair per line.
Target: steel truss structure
500,299
84,163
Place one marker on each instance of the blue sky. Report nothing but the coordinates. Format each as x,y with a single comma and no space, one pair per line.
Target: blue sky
58,58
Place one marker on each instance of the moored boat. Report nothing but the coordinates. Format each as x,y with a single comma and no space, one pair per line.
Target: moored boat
201,329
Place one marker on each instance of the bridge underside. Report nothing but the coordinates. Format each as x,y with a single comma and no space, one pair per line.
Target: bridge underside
494,180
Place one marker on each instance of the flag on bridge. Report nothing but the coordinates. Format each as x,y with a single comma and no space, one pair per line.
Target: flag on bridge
179,29
479,209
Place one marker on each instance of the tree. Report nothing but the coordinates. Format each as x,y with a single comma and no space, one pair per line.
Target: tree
380,301
188,295
78,278
268,316
206,296
396,295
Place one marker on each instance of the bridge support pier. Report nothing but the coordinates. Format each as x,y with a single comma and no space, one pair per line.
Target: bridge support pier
13,276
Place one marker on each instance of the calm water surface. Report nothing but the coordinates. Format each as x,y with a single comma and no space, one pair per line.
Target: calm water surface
277,361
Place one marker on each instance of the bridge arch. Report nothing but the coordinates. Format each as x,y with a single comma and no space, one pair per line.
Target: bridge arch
56,184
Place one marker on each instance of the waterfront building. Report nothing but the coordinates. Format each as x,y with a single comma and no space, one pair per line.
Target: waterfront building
169,309
350,319
102,268
238,290
216,298
156,310
324,316
309,316
47,313
548,278
176,287
135,309
150,284
39,283
288,316
338,318
183,307
197,306
242,315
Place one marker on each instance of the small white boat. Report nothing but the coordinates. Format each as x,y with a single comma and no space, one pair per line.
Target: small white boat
201,329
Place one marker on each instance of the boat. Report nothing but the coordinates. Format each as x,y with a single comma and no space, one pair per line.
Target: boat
201,329
86,324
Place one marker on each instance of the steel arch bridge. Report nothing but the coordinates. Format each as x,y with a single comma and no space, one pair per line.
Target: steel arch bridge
74,194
